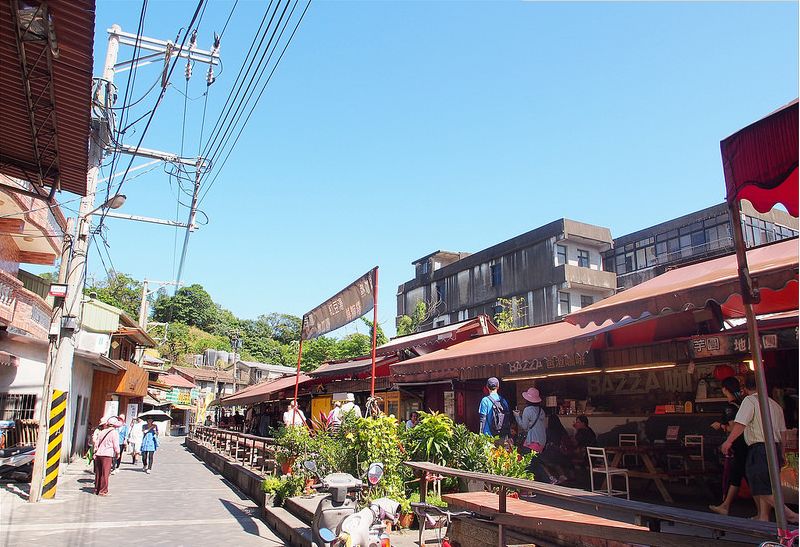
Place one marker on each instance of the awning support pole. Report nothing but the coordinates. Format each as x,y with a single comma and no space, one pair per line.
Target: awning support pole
374,327
750,296
297,377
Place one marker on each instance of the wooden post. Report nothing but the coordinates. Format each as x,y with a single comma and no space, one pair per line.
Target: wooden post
501,508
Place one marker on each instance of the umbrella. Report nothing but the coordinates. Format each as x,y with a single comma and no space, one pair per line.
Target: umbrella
155,415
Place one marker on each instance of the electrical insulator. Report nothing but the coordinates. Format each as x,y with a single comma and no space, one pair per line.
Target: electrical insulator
210,79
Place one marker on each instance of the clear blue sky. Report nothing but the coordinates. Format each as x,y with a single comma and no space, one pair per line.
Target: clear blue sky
392,129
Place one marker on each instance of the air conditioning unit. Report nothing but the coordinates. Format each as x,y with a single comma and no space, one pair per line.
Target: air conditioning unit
93,342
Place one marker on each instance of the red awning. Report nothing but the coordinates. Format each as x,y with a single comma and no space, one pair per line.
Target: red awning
760,161
261,392
352,366
554,339
431,340
774,267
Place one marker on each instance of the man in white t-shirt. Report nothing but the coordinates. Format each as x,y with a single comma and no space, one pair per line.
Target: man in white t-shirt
748,423
293,415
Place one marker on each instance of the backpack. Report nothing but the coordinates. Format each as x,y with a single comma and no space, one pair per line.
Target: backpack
499,422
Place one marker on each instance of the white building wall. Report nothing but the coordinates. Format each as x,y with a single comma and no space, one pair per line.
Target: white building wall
81,386
28,376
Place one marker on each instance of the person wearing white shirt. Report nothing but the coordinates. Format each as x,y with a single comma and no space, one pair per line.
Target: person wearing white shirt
293,415
748,423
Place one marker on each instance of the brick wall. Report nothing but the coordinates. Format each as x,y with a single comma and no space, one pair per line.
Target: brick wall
9,255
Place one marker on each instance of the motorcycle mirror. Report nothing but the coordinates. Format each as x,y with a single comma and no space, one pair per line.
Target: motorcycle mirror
310,465
375,473
326,535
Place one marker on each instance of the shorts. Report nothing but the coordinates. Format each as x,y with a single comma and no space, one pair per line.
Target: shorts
133,447
758,470
738,463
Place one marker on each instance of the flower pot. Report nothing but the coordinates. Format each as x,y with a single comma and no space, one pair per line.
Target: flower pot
405,520
286,467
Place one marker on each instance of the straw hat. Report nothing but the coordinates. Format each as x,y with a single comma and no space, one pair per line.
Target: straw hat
532,395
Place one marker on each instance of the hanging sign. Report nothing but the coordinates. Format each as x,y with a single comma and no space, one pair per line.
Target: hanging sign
729,344
346,306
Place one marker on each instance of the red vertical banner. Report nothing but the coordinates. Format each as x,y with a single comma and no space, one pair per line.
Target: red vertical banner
297,378
374,325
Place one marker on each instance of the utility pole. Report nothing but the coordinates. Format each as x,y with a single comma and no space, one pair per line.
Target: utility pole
66,318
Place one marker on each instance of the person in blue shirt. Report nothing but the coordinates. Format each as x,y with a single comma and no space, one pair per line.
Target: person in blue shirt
487,409
149,444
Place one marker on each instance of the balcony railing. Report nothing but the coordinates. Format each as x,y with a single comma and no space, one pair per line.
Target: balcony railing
21,308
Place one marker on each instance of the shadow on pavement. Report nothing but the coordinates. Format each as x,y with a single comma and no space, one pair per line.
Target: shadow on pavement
20,489
242,515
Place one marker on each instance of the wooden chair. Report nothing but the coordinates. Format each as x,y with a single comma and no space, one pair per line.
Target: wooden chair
629,439
598,464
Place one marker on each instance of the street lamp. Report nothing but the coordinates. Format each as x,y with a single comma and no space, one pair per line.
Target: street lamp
114,202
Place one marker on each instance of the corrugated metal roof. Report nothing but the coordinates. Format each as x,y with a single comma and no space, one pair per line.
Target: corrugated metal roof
100,317
70,75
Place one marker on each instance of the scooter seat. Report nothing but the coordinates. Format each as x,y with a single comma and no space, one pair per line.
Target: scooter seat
14,451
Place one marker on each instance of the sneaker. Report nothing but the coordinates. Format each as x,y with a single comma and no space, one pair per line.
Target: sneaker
114,472
148,471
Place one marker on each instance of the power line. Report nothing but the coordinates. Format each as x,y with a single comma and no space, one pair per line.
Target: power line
258,98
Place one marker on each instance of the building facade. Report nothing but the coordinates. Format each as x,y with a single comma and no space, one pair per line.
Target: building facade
704,234
546,273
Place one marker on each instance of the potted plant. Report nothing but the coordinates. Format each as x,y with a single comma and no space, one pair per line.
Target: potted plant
270,485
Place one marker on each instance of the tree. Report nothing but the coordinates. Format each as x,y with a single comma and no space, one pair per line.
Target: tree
354,345
381,338
511,310
285,328
422,313
121,291
191,305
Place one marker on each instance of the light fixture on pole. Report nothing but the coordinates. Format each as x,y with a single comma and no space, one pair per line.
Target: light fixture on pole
114,202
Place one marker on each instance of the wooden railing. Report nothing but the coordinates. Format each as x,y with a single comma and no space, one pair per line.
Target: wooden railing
254,452
646,514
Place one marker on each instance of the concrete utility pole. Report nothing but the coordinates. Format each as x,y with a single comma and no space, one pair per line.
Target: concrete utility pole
66,318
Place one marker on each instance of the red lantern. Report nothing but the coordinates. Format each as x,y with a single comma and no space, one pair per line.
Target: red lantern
723,371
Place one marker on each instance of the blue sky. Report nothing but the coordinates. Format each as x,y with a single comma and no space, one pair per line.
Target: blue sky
393,129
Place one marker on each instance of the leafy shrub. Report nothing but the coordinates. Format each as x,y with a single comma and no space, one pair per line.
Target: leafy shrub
430,440
509,463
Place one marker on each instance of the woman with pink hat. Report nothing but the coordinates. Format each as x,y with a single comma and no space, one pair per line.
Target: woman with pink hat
533,422
106,449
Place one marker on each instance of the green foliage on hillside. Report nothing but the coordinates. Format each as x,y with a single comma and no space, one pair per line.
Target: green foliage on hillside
194,323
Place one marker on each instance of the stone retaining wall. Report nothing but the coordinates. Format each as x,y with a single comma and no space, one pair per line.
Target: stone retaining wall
245,479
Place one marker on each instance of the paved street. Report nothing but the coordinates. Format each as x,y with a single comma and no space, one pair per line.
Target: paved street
182,502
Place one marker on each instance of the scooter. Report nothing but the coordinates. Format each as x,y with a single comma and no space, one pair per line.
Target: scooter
16,462
366,528
340,505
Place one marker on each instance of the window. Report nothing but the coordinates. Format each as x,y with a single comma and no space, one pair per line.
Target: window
583,258
441,292
497,275
563,303
425,267
15,406
586,300
620,264
561,255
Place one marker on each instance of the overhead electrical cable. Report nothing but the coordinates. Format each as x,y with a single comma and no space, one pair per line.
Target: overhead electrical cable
252,109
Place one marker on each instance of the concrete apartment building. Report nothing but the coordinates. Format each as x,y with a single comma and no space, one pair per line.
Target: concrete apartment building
704,234
554,269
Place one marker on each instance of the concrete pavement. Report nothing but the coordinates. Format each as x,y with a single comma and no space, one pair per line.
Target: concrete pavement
182,502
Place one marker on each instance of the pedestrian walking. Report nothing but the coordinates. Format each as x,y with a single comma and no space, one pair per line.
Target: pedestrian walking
149,444
105,441
736,459
335,416
122,430
748,423
495,414
533,423
135,435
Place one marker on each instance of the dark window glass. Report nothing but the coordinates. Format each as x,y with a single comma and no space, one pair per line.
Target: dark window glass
583,258
586,300
441,292
661,249
630,264
563,303
497,275
698,239
673,246
620,264
561,255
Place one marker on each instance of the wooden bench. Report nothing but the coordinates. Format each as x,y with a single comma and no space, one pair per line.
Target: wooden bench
592,504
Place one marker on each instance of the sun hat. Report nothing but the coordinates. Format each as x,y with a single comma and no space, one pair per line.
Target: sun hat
492,383
110,420
351,397
532,395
